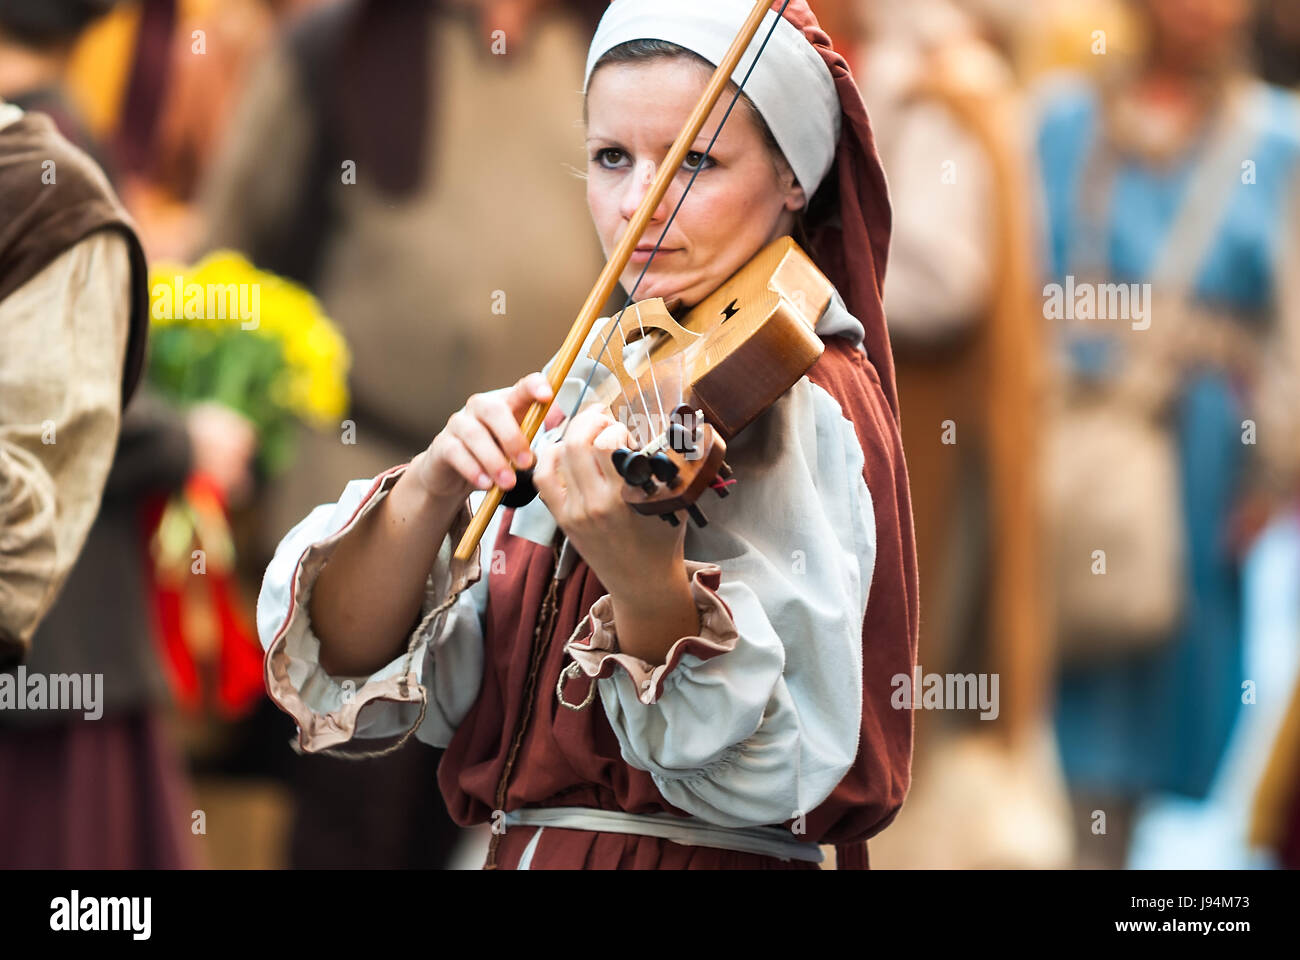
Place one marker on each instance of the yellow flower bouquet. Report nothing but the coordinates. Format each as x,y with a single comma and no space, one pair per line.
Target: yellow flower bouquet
227,332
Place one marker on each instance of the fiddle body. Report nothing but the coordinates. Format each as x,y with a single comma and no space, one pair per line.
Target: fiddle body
721,365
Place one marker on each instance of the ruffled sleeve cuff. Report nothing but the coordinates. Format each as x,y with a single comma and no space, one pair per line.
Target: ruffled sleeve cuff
597,655
329,709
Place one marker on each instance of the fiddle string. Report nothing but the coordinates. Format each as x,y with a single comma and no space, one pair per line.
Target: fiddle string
630,420
637,440
631,297
654,382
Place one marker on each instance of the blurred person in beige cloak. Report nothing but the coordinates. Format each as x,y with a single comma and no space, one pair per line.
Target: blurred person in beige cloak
987,792
425,215
71,271
73,327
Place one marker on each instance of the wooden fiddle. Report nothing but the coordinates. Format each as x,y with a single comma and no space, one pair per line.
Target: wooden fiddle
726,361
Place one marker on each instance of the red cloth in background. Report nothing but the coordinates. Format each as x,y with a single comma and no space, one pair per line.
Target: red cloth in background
238,664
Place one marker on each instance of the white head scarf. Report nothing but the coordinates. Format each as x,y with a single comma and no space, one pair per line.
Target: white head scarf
791,87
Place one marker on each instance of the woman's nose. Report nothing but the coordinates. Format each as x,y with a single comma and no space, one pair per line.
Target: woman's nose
642,178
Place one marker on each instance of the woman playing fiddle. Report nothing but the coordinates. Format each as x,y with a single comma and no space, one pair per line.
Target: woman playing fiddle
613,691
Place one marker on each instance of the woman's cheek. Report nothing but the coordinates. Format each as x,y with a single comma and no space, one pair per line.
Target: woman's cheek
598,203
707,228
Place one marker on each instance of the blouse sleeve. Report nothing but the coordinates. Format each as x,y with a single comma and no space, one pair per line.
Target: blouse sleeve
63,336
445,659
757,719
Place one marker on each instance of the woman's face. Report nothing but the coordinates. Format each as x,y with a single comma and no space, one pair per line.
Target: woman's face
739,202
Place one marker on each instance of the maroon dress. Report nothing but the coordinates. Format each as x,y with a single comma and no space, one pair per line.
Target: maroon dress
518,747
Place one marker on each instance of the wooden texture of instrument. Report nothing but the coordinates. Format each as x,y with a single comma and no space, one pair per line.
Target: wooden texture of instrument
709,375
734,353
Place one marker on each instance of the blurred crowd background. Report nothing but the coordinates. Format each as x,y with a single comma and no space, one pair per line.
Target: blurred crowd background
1107,521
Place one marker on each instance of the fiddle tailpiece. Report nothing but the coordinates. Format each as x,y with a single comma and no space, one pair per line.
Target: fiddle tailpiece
674,470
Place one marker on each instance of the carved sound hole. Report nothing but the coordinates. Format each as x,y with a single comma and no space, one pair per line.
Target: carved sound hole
729,311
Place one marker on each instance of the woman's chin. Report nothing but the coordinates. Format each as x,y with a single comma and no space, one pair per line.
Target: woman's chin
651,286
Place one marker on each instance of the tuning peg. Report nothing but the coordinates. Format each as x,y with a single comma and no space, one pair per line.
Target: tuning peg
670,519
663,468
697,515
635,468
620,458
680,439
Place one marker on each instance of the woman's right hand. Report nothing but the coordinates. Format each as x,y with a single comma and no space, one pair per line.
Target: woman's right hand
481,441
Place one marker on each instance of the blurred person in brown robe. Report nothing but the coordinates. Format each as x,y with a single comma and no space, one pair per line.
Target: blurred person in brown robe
107,791
959,300
428,217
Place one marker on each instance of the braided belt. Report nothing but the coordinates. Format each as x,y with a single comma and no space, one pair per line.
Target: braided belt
768,841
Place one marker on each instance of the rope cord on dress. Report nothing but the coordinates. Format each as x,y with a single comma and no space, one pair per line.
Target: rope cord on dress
437,613
541,632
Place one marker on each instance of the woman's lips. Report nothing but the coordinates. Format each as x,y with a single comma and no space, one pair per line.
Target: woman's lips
642,254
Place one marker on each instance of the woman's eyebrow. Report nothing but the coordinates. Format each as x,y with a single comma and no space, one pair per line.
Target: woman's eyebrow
701,142
699,145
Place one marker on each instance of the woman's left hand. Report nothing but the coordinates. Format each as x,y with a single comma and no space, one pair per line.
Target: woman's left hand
576,479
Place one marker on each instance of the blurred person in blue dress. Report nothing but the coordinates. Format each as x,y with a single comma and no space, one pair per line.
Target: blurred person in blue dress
1171,189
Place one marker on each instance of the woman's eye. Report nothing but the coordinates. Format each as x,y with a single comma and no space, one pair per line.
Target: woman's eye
695,160
609,157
